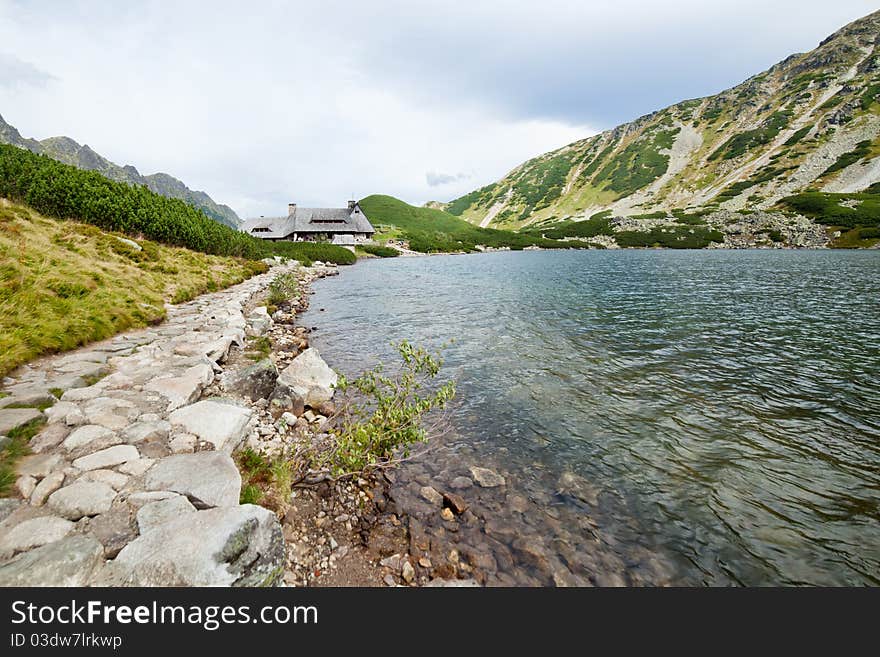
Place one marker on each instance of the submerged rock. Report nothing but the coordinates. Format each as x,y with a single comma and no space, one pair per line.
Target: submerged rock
486,478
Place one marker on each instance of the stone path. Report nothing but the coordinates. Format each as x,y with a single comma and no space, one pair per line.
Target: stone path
131,481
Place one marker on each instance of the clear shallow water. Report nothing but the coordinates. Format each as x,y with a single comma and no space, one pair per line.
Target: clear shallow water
719,412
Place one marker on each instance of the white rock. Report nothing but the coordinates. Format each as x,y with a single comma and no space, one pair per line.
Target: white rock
139,499
184,389
82,498
309,377
220,424
12,418
25,485
153,514
184,443
136,468
116,479
90,433
46,487
38,465
107,458
150,430
238,545
208,479
72,561
33,533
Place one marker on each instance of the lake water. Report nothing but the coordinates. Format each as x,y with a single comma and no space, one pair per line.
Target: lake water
661,417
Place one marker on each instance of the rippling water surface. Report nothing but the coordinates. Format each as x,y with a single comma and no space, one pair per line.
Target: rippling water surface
678,417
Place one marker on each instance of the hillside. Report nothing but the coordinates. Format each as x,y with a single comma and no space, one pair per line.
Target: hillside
68,151
65,283
811,121
430,230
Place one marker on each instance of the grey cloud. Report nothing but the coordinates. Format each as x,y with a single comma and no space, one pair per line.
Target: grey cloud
435,179
14,71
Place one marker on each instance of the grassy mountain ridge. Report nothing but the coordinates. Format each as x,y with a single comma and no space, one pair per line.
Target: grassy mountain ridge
430,230
810,121
68,151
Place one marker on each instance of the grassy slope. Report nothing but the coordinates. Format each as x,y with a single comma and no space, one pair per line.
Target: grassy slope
63,283
431,230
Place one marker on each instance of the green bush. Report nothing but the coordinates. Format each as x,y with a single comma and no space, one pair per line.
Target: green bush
826,208
384,417
381,251
282,288
740,143
862,149
65,192
309,252
671,237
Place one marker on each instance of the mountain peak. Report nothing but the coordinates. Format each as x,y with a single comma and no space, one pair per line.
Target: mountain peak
810,121
67,150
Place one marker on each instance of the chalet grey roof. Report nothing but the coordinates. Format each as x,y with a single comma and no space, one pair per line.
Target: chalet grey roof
310,220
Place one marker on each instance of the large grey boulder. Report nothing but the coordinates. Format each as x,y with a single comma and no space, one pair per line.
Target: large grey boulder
72,561
82,498
254,382
208,479
232,546
33,533
13,418
218,423
310,378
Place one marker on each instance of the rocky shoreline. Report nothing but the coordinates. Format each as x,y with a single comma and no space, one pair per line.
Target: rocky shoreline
132,478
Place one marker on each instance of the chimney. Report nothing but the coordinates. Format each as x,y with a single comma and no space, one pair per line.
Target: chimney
291,208
351,205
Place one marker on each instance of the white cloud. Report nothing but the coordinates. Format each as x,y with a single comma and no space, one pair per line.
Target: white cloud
310,102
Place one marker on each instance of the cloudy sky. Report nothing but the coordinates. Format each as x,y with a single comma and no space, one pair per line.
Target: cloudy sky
260,103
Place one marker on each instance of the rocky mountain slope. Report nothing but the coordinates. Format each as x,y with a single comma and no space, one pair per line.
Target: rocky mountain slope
810,122
65,149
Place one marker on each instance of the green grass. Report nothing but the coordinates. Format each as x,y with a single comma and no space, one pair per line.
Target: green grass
598,224
64,192
480,196
14,450
64,284
258,348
